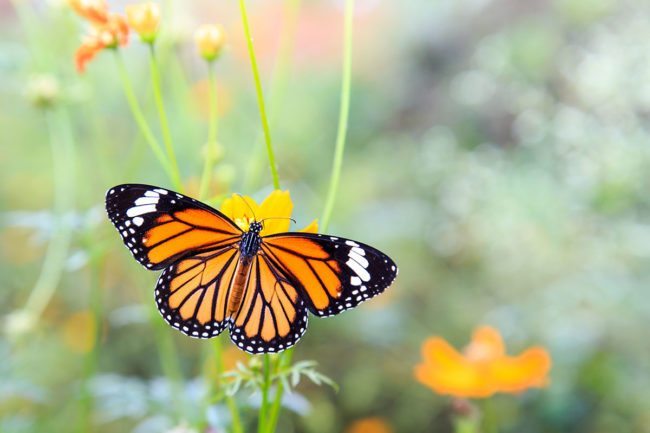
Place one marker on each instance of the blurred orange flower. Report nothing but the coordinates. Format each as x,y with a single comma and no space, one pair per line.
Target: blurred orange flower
369,425
483,369
107,30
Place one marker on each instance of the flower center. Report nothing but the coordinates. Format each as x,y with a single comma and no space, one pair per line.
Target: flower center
244,223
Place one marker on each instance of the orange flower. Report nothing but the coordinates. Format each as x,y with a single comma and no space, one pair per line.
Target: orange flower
369,425
483,369
107,30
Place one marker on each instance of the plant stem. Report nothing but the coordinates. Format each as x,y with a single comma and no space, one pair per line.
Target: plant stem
162,115
262,422
343,115
63,166
136,110
211,152
260,95
291,12
284,360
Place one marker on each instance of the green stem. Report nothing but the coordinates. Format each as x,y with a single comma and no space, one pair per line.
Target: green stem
266,385
92,357
284,360
63,164
291,12
162,115
138,115
211,153
488,420
260,95
343,115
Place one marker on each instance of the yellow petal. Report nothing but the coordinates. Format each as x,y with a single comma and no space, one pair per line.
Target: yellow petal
516,374
445,371
277,207
241,209
486,345
311,228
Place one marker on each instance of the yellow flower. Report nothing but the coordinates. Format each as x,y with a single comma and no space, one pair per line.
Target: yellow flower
144,19
276,209
483,369
209,40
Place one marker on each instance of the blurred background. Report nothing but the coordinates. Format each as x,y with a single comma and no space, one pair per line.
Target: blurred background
497,150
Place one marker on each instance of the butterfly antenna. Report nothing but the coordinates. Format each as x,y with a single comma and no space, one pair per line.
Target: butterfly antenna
278,218
247,204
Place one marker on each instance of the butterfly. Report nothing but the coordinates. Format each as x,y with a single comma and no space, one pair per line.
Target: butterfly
216,275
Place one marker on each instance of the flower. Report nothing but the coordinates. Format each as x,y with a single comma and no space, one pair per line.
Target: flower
43,90
483,369
369,425
92,10
144,19
107,30
276,208
209,40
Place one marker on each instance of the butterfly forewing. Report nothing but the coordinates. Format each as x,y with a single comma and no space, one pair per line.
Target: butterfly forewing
333,274
160,227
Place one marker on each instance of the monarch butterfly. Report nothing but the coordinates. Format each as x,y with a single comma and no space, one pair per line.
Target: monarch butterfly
216,275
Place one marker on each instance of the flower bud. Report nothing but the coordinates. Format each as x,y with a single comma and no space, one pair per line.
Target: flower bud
144,19
209,40
43,90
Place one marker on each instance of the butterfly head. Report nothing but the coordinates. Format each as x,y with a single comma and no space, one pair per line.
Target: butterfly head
255,227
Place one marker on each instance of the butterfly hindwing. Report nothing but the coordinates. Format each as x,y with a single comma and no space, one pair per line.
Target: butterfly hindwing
333,274
192,295
272,316
160,226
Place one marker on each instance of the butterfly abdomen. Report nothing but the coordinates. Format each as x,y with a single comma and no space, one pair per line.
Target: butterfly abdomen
248,247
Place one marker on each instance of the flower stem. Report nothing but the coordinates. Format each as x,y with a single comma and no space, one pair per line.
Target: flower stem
63,162
260,95
343,115
278,84
284,360
164,123
210,157
266,384
136,110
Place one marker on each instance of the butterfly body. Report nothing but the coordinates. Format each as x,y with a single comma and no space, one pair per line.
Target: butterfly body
217,276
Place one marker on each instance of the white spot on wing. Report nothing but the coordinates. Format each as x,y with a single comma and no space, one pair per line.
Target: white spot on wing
138,221
146,200
161,191
359,259
140,210
351,243
358,269
355,281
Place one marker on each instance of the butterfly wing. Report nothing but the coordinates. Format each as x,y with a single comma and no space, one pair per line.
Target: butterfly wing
332,274
161,227
192,294
272,316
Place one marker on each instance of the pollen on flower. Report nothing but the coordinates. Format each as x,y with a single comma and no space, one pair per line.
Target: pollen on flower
244,223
